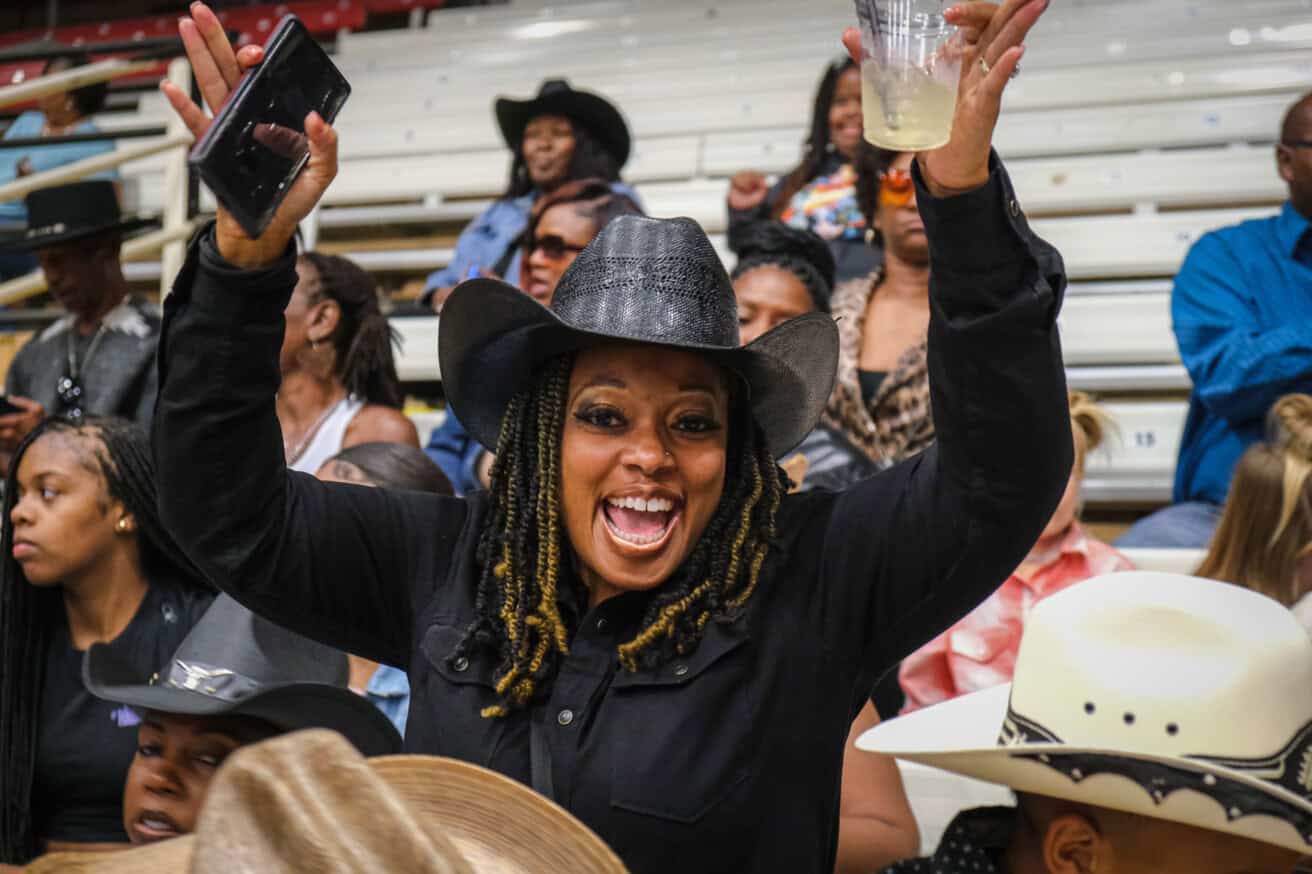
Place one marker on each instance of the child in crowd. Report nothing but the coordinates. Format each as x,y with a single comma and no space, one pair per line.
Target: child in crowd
1156,723
979,651
236,680
1264,538
386,466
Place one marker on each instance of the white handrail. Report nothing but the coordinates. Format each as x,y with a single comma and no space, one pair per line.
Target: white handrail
25,185
67,80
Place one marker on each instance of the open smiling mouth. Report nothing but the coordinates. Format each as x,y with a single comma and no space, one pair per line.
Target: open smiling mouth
155,825
640,523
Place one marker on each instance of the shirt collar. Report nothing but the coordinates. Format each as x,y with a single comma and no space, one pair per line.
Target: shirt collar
1073,542
1291,228
388,682
975,841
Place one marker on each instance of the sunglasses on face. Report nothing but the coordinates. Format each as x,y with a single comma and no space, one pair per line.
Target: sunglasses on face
554,247
895,188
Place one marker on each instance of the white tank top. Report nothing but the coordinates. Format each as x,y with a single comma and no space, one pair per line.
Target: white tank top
327,441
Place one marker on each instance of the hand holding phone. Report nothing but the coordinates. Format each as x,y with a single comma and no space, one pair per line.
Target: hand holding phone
218,69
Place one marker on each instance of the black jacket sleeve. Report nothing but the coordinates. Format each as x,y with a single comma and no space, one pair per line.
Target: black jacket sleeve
346,565
911,550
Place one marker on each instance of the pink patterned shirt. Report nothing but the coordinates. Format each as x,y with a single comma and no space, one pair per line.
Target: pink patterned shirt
979,652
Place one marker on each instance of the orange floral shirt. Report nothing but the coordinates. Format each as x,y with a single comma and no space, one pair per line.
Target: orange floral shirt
979,652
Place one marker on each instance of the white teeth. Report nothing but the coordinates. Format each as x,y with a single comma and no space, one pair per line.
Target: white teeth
651,505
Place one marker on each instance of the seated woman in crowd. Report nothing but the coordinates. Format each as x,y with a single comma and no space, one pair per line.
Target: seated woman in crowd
561,225
273,682
881,399
388,466
979,651
339,383
1264,538
85,561
556,137
819,194
60,113
636,618
783,273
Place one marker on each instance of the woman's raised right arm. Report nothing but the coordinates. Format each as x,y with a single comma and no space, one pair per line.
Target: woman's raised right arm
336,563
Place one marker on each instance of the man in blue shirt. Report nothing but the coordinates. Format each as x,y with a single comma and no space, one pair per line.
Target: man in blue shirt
1242,312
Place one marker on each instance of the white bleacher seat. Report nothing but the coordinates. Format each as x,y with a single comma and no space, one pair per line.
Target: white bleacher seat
416,357
1172,561
1137,463
426,423
1117,329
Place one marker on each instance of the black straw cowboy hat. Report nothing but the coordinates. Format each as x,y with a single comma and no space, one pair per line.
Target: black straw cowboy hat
556,97
64,213
643,280
233,663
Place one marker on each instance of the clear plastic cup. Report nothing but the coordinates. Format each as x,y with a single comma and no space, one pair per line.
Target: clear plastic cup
910,68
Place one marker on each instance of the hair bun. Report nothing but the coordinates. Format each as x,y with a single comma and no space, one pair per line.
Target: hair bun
773,239
1290,424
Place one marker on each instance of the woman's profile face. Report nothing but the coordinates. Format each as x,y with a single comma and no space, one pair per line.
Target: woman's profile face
63,517
767,297
548,150
845,120
643,460
308,317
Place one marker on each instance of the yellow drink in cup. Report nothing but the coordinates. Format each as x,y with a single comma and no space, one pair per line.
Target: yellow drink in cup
910,67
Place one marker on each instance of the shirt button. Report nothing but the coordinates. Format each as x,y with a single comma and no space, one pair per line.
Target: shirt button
602,625
565,717
680,670
460,665
1014,207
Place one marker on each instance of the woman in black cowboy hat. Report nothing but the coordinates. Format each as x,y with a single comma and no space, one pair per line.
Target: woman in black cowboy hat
560,135
636,619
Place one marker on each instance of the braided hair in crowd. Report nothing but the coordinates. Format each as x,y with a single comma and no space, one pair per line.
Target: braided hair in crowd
363,338
118,452
529,599
800,252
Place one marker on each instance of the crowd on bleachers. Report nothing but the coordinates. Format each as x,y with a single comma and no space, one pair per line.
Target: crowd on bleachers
698,554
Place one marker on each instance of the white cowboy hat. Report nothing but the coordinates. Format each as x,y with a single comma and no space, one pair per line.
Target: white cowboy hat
1164,695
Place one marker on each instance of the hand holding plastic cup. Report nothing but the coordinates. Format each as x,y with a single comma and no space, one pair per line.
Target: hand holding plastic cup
910,69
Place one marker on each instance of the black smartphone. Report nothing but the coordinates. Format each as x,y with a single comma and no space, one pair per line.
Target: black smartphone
256,145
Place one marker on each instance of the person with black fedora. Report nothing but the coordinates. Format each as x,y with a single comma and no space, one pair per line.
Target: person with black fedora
637,619
99,359
236,679
558,136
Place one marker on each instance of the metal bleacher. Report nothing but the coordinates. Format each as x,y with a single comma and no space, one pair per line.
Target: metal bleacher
1125,142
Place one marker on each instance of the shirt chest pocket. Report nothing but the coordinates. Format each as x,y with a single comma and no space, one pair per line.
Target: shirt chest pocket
456,691
683,735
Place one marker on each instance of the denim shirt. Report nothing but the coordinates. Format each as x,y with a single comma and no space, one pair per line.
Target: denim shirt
485,240
43,158
389,690
1242,311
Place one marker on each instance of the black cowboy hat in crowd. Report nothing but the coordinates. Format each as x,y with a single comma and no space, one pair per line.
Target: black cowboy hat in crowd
643,280
233,663
556,97
64,213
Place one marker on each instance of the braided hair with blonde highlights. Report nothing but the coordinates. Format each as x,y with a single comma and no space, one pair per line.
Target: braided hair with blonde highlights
529,599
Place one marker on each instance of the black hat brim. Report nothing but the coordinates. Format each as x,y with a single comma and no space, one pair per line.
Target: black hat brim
45,241
290,707
493,338
593,111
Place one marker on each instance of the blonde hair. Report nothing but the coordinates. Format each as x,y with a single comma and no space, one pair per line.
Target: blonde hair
1266,526
1091,425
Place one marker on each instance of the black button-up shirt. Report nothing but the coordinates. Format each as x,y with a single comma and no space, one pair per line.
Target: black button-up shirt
728,759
